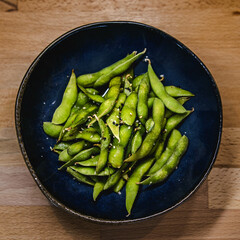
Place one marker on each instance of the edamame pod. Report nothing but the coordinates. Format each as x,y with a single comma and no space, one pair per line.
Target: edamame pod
91,162
136,81
178,92
131,186
120,184
51,129
83,155
94,97
91,171
80,177
171,164
158,88
121,68
105,141
116,153
142,105
172,142
98,188
128,114
181,100
113,120
88,80
171,123
64,156
75,148
90,135
149,141
62,113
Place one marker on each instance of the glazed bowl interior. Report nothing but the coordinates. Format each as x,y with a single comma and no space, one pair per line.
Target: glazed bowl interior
88,49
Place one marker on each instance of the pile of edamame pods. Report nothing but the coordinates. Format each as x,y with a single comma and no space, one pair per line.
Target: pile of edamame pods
115,129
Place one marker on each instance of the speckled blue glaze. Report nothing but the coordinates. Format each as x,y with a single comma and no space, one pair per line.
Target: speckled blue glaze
88,49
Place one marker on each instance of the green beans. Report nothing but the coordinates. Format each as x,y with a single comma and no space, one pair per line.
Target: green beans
122,132
62,113
158,88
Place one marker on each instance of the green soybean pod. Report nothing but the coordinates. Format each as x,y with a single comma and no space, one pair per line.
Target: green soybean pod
137,139
93,97
142,105
88,80
132,187
114,88
128,114
91,162
158,88
136,81
61,146
105,108
149,125
90,135
171,123
64,156
116,153
181,100
80,177
113,120
171,164
82,99
51,129
115,177
150,102
121,68
172,142
120,184
98,188
105,141
83,155
91,171
62,113
151,137
75,148
178,92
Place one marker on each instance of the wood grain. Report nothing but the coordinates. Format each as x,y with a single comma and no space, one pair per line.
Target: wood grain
224,188
210,28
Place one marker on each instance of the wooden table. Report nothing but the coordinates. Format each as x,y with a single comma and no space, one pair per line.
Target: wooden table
210,28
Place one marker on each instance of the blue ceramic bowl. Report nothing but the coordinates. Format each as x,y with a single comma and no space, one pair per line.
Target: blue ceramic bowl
88,49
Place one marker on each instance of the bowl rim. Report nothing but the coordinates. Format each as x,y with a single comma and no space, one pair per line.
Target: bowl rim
20,95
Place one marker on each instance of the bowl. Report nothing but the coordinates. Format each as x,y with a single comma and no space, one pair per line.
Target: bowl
87,49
